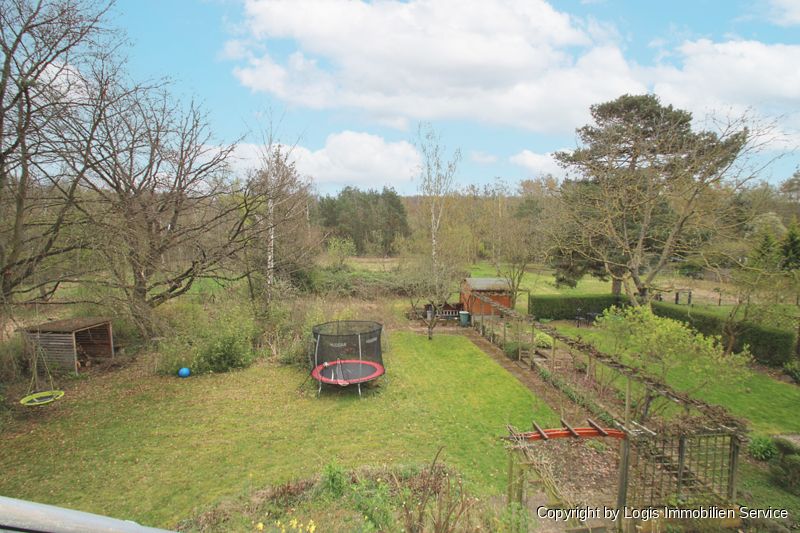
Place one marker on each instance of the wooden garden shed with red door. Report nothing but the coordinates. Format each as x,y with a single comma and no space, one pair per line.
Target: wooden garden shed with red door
495,289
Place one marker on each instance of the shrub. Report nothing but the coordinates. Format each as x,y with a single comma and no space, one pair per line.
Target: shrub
334,481
223,353
543,340
566,307
347,282
373,500
206,343
785,468
768,345
762,448
511,348
12,358
792,369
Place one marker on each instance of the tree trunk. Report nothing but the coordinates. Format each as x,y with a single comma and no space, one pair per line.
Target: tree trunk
616,286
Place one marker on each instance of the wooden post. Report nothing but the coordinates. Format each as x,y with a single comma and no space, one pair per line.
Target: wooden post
628,401
510,494
74,351
111,340
681,463
519,341
533,345
733,464
624,460
553,357
622,488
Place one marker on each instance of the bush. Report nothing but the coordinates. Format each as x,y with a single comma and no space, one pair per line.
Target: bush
792,369
226,352
206,343
770,346
566,307
334,481
543,340
12,359
785,469
762,448
347,282
511,348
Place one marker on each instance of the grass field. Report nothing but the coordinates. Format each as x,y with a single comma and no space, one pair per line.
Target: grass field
768,404
156,450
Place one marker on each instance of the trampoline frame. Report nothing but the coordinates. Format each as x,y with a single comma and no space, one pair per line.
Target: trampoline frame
316,372
378,372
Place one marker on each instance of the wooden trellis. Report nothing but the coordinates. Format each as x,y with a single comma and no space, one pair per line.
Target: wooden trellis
692,462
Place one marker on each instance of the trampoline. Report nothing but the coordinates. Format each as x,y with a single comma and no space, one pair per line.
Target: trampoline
347,352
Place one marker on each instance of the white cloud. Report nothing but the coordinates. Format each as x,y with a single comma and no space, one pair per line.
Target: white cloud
347,158
537,164
734,75
482,157
785,12
519,62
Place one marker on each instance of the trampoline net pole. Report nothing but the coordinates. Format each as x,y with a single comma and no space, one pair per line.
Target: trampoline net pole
359,360
316,362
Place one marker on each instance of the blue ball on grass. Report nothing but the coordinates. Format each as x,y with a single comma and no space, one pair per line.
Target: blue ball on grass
184,372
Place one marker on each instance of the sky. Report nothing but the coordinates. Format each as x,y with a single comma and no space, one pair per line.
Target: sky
507,82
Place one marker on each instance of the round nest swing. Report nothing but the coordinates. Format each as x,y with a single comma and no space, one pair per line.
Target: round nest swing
41,398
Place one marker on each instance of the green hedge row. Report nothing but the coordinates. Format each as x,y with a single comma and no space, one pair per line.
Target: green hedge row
785,468
770,346
558,307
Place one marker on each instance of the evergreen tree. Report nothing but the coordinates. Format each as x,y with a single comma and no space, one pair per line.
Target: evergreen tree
790,248
767,253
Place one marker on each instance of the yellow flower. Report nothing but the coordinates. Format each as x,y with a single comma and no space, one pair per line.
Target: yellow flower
312,527
260,526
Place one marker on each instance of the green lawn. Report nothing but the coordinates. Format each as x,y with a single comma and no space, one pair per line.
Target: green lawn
770,405
156,449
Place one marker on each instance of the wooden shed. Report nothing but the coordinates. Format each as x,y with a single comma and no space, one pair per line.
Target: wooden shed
71,343
496,289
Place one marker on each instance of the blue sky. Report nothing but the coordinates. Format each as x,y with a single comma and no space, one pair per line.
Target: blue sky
505,81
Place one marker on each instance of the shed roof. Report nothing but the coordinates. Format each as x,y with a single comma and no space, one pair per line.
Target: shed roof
487,284
69,325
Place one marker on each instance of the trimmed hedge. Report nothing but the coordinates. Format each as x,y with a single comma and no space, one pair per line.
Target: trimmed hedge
558,307
785,469
770,346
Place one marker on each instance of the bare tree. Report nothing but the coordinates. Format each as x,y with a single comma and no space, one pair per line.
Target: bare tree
44,46
429,287
437,178
157,193
282,235
431,281
519,240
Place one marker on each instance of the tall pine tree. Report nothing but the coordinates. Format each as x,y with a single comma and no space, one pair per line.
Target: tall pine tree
790,248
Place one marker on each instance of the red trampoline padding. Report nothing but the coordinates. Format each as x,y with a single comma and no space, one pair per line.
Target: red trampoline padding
346,372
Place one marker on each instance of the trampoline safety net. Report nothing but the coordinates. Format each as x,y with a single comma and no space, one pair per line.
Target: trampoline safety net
347,352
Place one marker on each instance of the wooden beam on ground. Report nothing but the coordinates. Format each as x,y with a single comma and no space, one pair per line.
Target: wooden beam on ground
595,425
540,431
569,428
